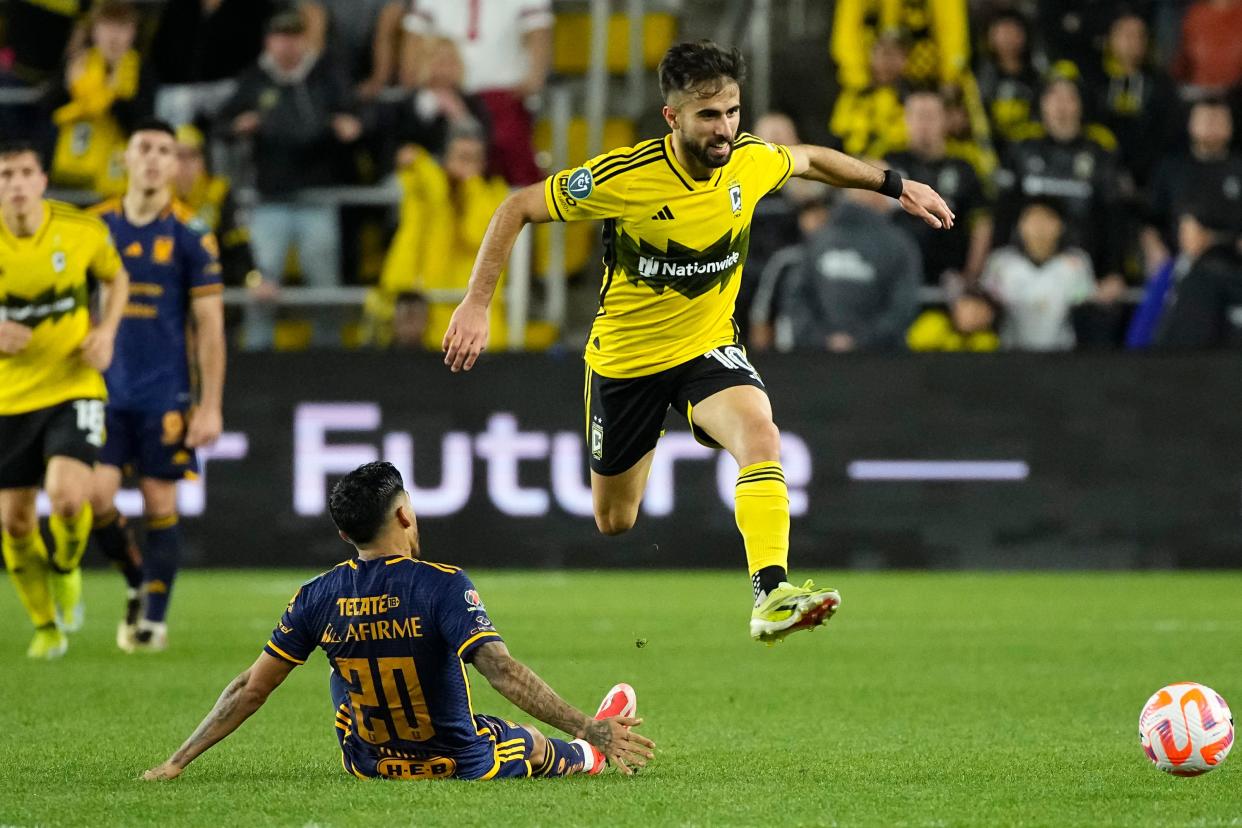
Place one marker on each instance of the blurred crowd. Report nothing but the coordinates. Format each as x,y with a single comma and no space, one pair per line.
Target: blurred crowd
1088,150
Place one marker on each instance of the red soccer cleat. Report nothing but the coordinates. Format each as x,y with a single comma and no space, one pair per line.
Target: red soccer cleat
621,700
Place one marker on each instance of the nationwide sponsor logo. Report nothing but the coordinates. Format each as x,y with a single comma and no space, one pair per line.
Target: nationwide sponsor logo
686,270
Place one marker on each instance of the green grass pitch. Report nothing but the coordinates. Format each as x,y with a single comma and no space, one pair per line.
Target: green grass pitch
930,700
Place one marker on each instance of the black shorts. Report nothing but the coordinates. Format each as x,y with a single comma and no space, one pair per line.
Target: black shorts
625,417
27,441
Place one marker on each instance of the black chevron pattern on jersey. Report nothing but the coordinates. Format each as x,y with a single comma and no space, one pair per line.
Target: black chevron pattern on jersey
50,305
683,269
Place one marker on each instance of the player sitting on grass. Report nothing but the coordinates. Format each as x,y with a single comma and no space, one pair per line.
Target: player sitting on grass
397,632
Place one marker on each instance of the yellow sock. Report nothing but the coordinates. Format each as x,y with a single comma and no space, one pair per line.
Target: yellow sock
69,538
26,560
762,510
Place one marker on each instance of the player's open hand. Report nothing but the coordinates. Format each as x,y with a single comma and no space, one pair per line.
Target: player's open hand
97,348
616,739
165,771
14,336
466,336
205,426
918,199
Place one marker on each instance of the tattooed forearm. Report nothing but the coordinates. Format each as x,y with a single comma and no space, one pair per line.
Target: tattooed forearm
233,707
519,684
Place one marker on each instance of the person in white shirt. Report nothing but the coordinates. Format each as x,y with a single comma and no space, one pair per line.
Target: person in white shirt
1039,283
506,46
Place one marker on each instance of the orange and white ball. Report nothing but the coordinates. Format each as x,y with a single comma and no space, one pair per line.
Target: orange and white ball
1186,729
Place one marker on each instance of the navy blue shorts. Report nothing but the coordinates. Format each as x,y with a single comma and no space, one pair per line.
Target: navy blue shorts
149,444
506,757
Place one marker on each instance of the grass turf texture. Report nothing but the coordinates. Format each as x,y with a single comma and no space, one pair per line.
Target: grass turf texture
930,700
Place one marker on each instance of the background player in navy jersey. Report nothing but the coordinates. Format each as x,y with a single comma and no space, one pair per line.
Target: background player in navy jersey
677,219
398,633
153,423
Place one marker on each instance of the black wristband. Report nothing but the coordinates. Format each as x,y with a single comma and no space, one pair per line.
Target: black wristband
892,185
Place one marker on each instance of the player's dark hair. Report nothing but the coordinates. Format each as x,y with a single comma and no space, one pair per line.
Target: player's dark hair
115,12
702,68
361,501
20,146
155,125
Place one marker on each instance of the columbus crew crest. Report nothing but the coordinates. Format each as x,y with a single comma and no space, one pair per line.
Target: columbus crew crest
735,198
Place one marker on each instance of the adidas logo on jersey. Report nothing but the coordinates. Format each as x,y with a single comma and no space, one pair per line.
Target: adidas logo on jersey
664,214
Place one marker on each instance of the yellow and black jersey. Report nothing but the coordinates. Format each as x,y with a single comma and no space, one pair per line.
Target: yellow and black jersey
674,247
44,285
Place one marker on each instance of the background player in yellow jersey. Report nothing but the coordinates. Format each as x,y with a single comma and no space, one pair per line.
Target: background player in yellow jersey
51,388
677,214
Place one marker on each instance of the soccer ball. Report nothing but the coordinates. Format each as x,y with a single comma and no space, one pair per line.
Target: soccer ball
1186,729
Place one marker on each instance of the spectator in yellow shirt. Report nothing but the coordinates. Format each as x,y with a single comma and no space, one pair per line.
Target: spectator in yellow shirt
869,120
936,32
445,211
108,90
968,325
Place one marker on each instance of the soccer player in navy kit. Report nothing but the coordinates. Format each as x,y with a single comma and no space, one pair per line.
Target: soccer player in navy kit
153,423
398,632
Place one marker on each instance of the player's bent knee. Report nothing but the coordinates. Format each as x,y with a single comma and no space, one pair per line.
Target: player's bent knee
67,501
19,524
615,522
763,441
538,742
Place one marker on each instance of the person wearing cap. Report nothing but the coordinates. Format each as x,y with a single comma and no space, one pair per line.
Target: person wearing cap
1075,163
210,200
1206,310
297,112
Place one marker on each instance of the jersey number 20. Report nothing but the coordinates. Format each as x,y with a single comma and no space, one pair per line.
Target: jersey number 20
392,708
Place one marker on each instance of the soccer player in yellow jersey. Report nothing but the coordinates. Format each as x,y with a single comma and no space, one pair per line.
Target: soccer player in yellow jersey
51,388
677,214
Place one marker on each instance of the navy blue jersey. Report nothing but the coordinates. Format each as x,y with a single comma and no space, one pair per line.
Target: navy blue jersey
398,632
170,261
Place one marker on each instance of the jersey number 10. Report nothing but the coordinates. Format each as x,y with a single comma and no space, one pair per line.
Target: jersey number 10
393,708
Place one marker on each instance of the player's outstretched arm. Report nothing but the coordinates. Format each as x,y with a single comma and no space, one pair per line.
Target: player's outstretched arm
466,336
520,685
841,170
242,697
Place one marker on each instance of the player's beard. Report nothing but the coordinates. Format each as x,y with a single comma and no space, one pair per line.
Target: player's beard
702,153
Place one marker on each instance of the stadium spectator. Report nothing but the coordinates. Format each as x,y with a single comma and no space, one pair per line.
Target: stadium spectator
852,285
960,251
867,119
410,315
1007,78
210,199
1131,96
1077,164
1209,173
107,88
775,222
1072,30
1206,310
935,31
363,37
200,48
296,110
445,210
507,52
440,105
1038,281
969,324
1210,54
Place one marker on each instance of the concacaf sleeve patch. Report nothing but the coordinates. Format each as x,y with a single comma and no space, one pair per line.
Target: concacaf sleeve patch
581,183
